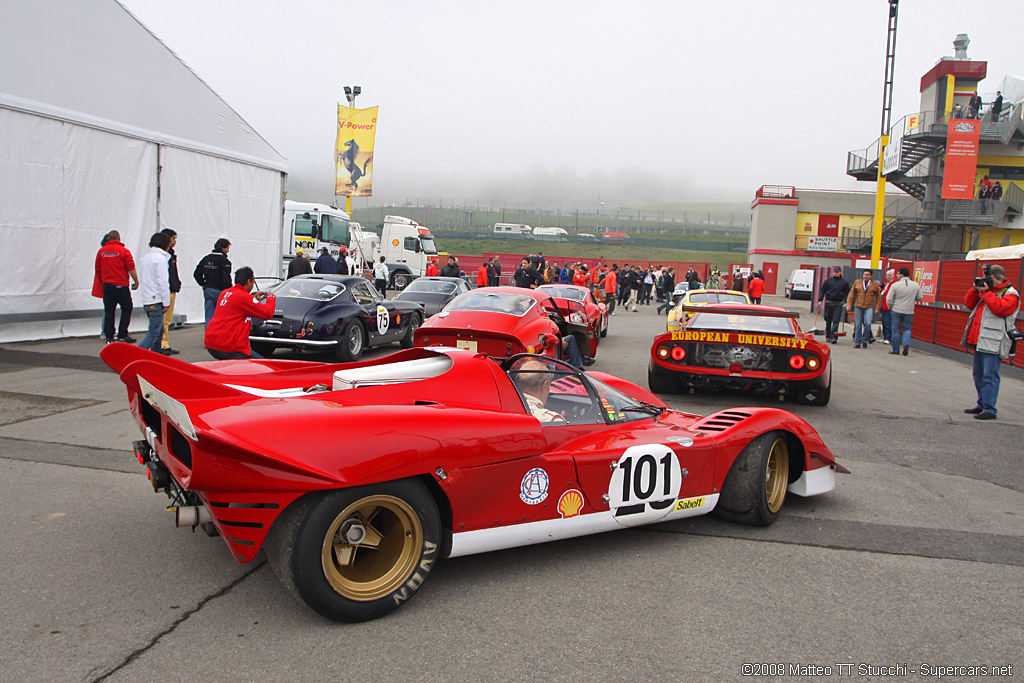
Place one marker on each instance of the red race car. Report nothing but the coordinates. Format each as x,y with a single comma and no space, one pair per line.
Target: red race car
596,312
425,454
745,347
505,321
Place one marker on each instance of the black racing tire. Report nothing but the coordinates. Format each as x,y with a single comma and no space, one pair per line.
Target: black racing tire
264,349
755,487
353,342
352,581
818,397
415,320
604,325
662,384
401,280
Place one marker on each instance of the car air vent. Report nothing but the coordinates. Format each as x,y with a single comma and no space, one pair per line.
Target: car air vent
151,417
180,447
719,422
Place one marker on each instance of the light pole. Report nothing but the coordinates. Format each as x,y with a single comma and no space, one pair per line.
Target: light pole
883,140
350,96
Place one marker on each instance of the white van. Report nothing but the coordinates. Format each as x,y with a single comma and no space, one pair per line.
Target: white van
800,284
551,234
512,229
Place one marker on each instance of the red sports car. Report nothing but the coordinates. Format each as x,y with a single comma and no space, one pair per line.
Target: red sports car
745,347
426,454
596,312
505,321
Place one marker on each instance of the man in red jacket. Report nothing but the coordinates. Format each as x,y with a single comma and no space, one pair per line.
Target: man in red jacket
482,275
227,334
114,265
755,290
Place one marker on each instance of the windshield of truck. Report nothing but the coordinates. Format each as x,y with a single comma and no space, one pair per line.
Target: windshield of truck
303,226
334,229
428,244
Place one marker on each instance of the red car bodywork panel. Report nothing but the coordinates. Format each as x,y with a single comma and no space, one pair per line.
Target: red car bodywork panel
467,429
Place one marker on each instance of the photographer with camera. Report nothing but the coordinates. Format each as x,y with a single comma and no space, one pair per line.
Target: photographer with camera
991,332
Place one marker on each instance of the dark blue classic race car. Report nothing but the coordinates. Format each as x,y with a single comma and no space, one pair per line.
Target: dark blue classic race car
334,312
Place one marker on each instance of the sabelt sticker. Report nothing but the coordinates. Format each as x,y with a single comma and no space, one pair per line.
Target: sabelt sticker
534,487
688,504
570,504
383,319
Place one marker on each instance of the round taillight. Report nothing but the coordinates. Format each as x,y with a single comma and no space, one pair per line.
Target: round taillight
425,341
796,362
678,353
663,352
813,363
508,349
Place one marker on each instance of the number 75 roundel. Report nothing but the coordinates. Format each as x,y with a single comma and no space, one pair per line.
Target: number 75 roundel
644,484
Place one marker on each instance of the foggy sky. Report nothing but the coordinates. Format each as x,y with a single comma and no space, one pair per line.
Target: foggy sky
577,102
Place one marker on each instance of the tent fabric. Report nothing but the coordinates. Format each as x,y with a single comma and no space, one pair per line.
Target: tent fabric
204,198
996,253
107,129
100,66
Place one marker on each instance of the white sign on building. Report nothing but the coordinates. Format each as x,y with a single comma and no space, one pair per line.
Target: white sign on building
815,243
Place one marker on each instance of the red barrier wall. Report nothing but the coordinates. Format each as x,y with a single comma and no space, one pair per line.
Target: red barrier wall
943,322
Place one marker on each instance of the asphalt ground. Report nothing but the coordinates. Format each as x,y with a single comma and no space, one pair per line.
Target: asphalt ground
916,559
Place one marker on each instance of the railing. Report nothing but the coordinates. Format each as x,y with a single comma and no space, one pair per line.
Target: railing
776,191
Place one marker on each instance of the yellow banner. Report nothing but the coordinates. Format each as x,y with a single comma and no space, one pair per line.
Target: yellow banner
353,153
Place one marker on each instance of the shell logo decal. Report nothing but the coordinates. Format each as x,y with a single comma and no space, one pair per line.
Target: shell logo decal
570,504
394,242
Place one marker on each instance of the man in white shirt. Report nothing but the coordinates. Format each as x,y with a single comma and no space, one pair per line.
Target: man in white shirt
380,276
156,288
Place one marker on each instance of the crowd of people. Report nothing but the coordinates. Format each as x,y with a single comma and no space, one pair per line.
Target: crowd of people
229,301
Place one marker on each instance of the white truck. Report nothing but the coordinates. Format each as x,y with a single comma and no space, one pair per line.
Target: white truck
405,245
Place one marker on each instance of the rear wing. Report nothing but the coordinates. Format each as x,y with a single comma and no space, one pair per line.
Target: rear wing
751,311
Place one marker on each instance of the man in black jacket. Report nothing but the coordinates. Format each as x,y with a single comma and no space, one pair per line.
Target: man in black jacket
525,276
669,284
300,265
175,282
834,292
213,273
451,269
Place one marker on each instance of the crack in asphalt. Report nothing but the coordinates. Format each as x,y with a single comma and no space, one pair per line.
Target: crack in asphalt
138,652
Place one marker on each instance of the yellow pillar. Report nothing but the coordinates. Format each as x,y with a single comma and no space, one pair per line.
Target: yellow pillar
348,206
950,86
876,232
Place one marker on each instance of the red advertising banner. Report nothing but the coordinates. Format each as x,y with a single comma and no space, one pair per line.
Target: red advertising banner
961,159
926,275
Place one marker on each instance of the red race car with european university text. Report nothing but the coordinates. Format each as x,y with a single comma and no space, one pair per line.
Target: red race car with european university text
743,347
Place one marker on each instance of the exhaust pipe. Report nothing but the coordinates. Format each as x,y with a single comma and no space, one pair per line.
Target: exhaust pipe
191,516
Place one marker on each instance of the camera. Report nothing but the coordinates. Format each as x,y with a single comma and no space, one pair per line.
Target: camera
986,280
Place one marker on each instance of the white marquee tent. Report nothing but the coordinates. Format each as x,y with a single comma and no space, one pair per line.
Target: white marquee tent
102,127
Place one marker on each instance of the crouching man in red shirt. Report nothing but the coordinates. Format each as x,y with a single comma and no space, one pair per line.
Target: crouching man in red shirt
227,334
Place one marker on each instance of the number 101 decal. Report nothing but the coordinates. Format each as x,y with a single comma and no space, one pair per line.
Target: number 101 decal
644,484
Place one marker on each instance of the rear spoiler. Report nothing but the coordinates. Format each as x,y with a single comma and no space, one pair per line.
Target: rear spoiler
752,311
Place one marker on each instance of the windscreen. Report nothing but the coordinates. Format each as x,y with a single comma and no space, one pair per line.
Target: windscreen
564,292
717,298
428,244
492,302
741,323
431,287
309,289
